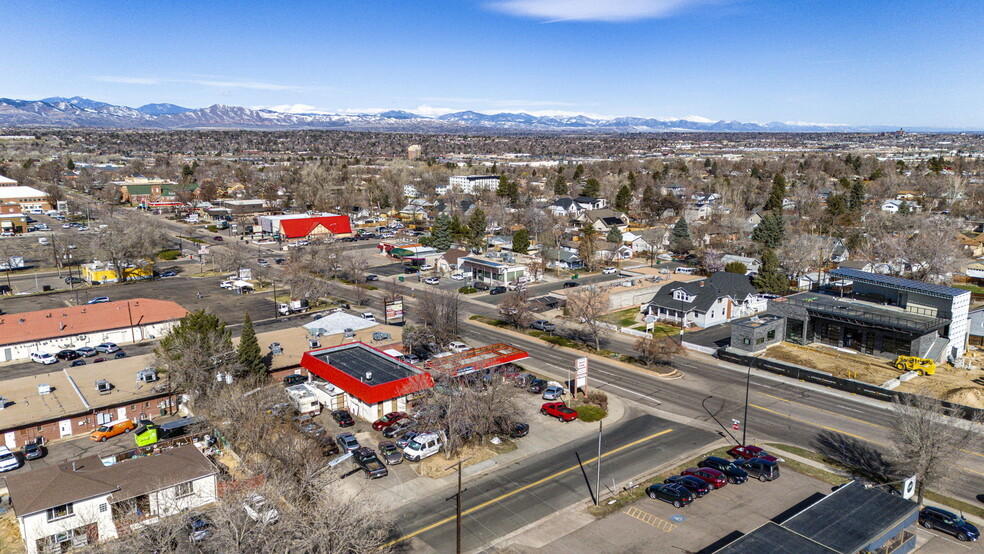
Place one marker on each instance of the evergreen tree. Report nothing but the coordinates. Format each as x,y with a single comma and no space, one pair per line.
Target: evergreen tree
503,189
70,165
578,171
858,195
770,279
837,204
771,231
591,187
442,233
477,225
904,208
614,235
632,180
560,186
459,232
586,247
249,354
650,202
623,198
737,268
778,193
521,241
680,242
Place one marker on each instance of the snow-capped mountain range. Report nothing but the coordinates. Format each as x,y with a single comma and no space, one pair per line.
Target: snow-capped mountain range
78,112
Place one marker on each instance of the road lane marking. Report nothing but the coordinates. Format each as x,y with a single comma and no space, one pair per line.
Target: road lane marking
521,489
650,519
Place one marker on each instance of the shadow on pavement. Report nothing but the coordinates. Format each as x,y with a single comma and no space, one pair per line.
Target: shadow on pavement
864,460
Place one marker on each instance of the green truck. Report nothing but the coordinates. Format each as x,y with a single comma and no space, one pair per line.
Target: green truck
149,433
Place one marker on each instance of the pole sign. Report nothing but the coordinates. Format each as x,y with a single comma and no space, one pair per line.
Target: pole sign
394,310
735,424
581,373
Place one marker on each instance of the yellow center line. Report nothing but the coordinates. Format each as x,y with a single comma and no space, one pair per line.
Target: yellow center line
847,417
521,489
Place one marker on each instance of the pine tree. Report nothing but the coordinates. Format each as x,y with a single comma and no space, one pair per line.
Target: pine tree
632,180
477,225
736,267
680,241
858,195
770,279
771,231
442,233
591,187
778,193
650,201
614,235
249,353
578,171
586,247
904,208
503,189
623,198
521,241
560,186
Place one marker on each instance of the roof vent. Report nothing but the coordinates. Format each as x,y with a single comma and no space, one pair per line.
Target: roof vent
104,386
44,389
148,375
368,376
48,315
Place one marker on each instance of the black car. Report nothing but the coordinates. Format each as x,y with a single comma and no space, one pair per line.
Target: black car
571,284
295,379
515,429
32,451
536,386
498,290
68,355
369,463
119,355
77,363
410,269
948,522
280,261
736,475
695,485
72,280
343,418
675,494
480,285
764,470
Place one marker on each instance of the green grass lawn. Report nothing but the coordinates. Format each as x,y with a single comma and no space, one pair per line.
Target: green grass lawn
623,318
972,288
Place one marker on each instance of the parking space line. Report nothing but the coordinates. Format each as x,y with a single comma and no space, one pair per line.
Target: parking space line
650,519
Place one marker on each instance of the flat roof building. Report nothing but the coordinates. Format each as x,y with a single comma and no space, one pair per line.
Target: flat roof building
29,198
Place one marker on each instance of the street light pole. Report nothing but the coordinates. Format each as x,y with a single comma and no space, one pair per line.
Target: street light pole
748,381
457,512
598,465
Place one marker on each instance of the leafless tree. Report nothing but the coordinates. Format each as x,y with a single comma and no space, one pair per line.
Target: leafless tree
515,308
585,307
655,351
924,439
800,252
438,310
127,242
234,256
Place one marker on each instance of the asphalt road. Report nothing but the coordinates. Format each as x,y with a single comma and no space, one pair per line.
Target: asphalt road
505,500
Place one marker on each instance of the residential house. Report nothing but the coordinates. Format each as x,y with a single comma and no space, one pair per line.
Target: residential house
565,207
973,246
612,252
893,206
859,265
156,194
560,258
753,220
678,191
411,191
417,210
835,249
78,503
606,224
646,240
752,264
720,298
499,242
975,334
452,257
976,272
591,203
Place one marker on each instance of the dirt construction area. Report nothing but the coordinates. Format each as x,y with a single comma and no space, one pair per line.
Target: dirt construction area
961,386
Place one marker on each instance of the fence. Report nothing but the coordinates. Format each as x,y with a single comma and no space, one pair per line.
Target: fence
828,380
699,348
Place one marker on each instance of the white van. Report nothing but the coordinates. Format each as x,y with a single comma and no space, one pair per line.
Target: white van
686,270
43,241
368,316
422,446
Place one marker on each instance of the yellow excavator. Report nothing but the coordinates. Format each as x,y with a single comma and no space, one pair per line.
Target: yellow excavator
924,366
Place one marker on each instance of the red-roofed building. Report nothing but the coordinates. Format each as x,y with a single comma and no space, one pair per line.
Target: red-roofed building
123,321
374,382
300,226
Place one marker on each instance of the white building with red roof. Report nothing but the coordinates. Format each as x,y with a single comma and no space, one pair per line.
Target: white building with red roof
301,226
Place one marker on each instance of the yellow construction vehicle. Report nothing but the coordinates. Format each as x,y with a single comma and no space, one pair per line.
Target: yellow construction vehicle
924,366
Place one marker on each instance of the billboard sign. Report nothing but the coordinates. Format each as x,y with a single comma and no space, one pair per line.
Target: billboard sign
394,310
581,373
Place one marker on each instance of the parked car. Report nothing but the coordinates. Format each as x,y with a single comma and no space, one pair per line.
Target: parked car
558,410
280,261
405,439
457,276
262,262
553,392
410,269
712,477
295,379
8,460
260,509
217,238
77,363
107,348
498,290
948,522
387,420
73,280
480,285
571,284
422,446
226,285
432,281
369,463
515,429
693,484
43,358
736,475
32,451
168,274
763,470
199,528
608,271
543,325
372,277
87,351
678,495
390,453
314,430
343,418
457,346
110,430
68,355
99,300
536,386
347,442
119,355
751,451
398,428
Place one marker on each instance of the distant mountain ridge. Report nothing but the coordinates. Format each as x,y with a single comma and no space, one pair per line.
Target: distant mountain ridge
78,112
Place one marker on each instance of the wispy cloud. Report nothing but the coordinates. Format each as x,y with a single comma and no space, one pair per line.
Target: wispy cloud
593,10
213,82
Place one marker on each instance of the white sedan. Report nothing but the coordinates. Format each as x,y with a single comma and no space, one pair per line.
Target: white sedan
608,271
426,267
457,276
432,280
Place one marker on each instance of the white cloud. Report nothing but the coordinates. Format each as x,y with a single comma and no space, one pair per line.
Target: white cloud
593,10
217,83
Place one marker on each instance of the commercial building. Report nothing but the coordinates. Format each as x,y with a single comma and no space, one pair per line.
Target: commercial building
482,359
493,272
155,193
879,315
83,502
7,182
11,218
55,329
27,197
855,518
103,272
300,226
470,184
373,382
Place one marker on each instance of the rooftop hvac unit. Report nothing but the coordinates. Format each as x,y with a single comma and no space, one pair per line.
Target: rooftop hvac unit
44,389
368,376
314,343
148,375
103,386
3,403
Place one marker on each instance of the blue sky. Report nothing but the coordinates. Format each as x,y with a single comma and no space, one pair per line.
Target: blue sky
905,63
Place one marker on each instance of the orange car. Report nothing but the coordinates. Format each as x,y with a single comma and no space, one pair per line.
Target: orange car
112,429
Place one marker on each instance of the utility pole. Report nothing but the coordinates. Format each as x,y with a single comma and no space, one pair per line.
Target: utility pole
457,512
598,464
748,381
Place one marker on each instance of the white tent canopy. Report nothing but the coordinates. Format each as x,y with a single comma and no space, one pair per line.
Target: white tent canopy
337,323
